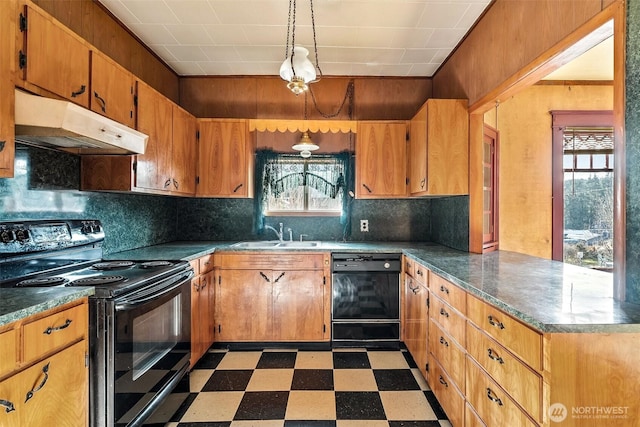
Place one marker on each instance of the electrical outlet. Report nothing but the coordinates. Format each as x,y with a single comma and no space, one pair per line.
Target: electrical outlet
364,225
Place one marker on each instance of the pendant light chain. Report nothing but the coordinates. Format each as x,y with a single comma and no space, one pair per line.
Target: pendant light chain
286,49
293,36
349,94
315,44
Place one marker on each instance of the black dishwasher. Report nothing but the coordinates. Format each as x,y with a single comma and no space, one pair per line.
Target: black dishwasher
366,299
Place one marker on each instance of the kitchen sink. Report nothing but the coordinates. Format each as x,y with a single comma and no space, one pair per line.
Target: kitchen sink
276,244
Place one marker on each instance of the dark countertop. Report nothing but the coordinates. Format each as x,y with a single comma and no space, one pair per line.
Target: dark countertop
549,296
18,303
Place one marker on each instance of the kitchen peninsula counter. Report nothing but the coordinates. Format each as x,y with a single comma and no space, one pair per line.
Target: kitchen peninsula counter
19,303
547,295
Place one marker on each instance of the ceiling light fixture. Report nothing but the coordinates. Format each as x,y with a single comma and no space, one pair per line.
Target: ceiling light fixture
305,146
297,69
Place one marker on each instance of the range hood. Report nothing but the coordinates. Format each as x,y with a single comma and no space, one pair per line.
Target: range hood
63,125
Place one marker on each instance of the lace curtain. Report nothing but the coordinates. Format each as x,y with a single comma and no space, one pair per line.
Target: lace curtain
280,173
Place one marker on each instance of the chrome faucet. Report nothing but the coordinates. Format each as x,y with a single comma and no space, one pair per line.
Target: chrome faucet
280,234
290,234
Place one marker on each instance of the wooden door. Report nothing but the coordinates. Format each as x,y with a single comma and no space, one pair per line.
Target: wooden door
418,152
7,97
416,318
196,321
183,180
111,89
153,168
12,394
381,160
60,387
223,158
298,305
244,305
207,301
57,60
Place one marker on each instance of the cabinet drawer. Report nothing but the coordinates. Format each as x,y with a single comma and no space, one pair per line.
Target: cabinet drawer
446,392
408,265
206,263
195,264
522,383
420,273
515,336
9,349
448,292
471,419
271,260
492,403
54,331
450,320
450,355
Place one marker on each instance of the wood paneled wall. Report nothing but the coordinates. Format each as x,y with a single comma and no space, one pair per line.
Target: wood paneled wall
524,123
93,23
509,37
383,98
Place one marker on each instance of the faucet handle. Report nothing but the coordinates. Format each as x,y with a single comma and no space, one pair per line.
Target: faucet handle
305,235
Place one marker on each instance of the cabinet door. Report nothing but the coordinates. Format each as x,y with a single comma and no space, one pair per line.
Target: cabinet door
57,61
11,401
207,301
196,322
223,158
7,97
418,152
153,169
416,322
244,305
381,160
111,89
59,386
298,305
183,180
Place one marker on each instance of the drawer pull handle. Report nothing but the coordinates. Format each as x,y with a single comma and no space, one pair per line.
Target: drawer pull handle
443,289
79,92
279,277
419,273
103,103
45,371
9,407
442,381
444,312
264,276
235,190
50,329
495,322
197,286
444,342
204,284
492,397
494,356
367,188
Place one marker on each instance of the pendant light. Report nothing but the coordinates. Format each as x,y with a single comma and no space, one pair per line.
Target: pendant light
297,69
305,146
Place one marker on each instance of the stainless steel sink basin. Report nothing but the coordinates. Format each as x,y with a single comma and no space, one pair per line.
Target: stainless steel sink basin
276,244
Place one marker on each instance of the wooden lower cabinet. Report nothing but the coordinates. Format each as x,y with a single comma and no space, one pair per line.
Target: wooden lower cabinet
44,377
202,307
256,301
450,398
415,321
471,419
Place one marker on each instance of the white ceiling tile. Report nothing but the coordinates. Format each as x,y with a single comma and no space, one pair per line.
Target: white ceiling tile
189,34
442,15
424,70
252,12
163,52
336,36
243,68
227,34
394,69
337,69
215,68
376,37
266,34
412,56
155,32
376,56
193,11
471,15
152,11
445,38
221,53
187,53
412,37
261,53
441,55
186,68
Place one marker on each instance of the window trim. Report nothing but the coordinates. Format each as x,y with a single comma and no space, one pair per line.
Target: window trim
490,241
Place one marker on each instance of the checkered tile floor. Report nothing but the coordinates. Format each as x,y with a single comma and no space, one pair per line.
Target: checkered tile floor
297,388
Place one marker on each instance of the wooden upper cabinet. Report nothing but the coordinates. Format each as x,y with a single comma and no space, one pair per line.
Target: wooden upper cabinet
381,158
7,97
439,149
55,59
225,159
185,128
155,112
111,90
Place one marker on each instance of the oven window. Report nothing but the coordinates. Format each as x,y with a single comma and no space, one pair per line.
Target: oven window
366,296
155,334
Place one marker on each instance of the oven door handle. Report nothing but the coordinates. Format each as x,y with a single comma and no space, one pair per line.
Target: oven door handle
151,294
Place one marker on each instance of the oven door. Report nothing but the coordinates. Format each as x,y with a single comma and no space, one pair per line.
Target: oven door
366,295
151,347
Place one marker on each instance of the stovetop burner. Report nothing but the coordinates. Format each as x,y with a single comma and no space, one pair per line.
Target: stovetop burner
112,265
43,281
97,281
154,264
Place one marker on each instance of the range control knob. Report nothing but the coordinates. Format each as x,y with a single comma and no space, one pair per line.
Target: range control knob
7,236
22,235
87,228
387,265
